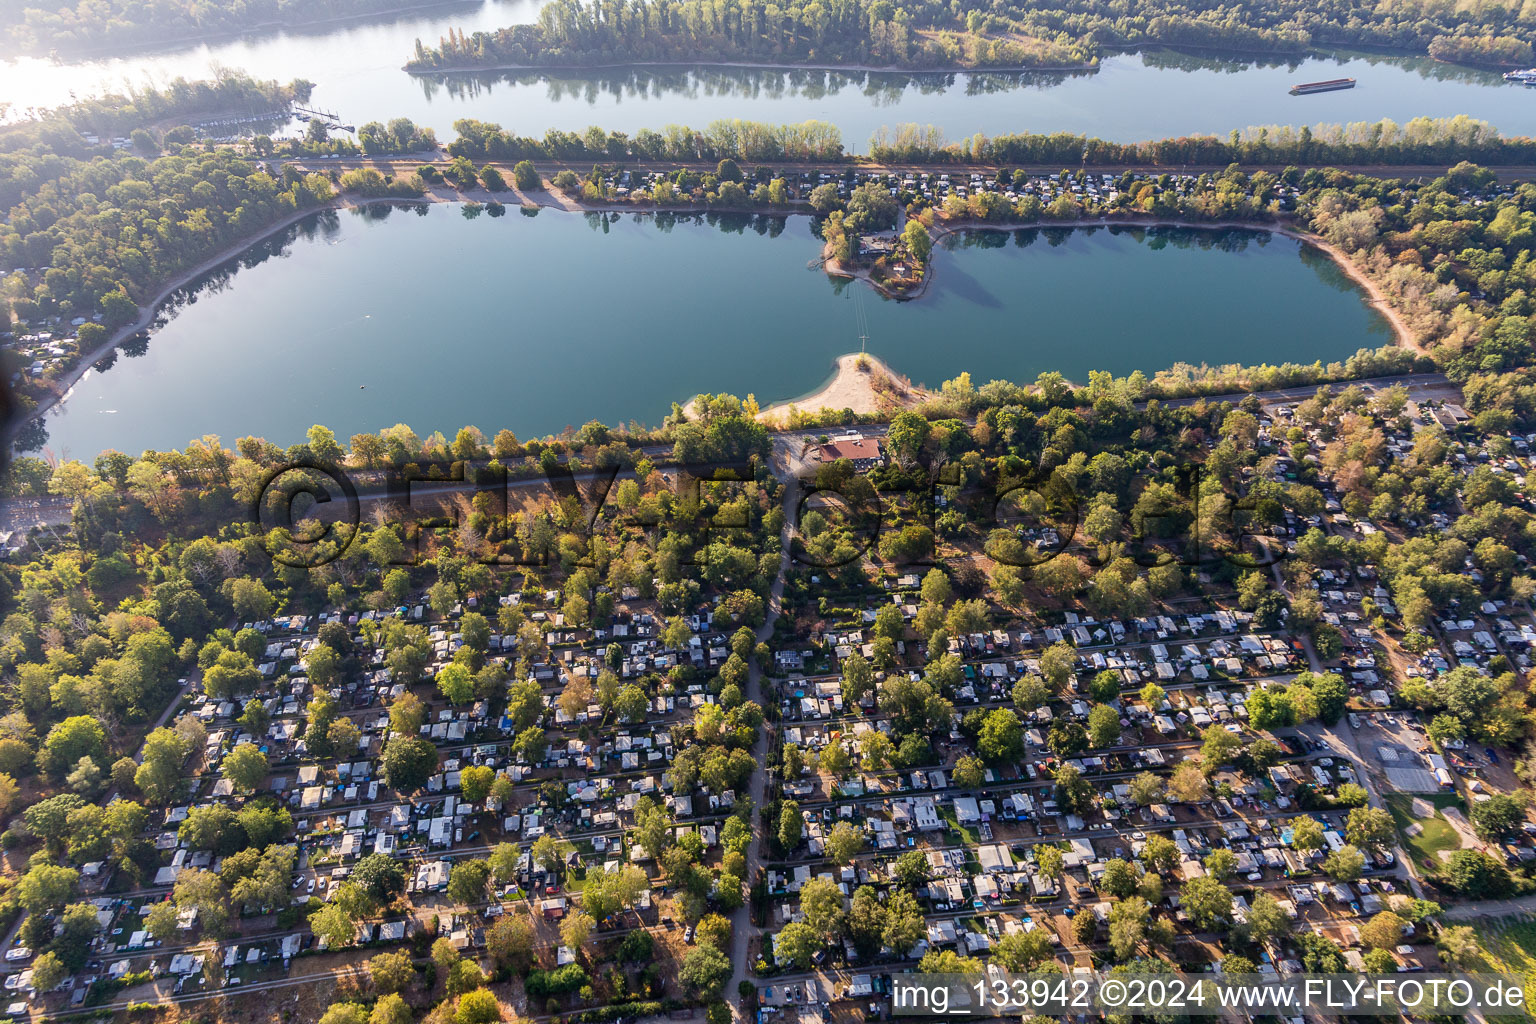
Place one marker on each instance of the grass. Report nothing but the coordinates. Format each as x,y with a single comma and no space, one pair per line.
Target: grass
967,836
1509,947
1509,944
1437,834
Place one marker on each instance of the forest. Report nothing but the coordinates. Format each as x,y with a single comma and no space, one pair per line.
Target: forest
1007,33
894,33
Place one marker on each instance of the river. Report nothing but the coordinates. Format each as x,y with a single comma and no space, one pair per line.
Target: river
426,316
356,68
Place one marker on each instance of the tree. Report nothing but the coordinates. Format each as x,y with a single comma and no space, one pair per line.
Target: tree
525,176
456,683
391,972
1306,834
345,1013
1023,951
391,1009
791,825
1219,747
408,763
969,772
1127,926
1497,817
867,919
796,944
206,892
245,767
906,436
575,929
1206,901
381,877
1159,853
46,887
1103,726
1001,740
704,970
844,843
904,924
821,903
1384,931
1073,792
1459,947
1476,875
1345,864
492,179
1370,828
1221,864
1267,920
407,714
1119,878
510,941
48,972
477,1007
475,782
1187,784
1146,789
69,741
468,880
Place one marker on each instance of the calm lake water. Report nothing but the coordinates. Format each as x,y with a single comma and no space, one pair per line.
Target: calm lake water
360,320
357,72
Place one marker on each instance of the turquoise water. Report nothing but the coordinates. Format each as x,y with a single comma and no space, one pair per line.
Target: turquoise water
421,315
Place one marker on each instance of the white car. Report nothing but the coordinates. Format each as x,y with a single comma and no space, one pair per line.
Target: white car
19,953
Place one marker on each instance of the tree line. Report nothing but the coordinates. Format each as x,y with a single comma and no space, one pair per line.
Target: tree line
1422,140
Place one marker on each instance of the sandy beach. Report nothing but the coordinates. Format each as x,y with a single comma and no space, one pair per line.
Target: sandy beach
853,386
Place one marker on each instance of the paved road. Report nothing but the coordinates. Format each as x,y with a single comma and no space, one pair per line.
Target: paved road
742,929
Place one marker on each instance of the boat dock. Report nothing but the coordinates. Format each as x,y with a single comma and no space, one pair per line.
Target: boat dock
329,118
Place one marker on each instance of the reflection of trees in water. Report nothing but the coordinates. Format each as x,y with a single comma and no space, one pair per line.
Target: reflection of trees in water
1424,67
882,88
324,224
726,222
1182,60
1327,269
1160,236
32,436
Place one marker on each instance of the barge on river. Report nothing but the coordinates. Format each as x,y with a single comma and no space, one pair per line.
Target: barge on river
1307,88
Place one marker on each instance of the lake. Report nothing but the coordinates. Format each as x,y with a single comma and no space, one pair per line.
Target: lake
356,68
423,315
